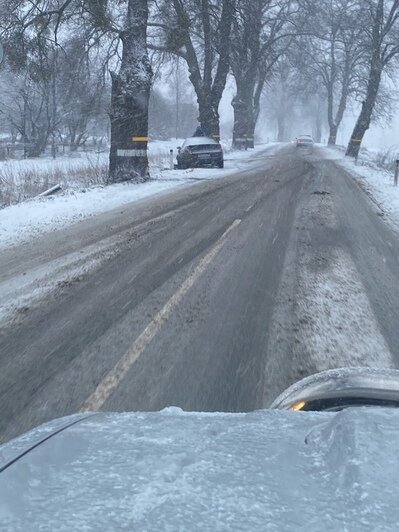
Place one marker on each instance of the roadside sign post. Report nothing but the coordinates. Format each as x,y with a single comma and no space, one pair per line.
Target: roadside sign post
396,172
171,159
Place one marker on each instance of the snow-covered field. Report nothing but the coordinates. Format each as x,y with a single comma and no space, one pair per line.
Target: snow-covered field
28,219
378,182
80,161
23,179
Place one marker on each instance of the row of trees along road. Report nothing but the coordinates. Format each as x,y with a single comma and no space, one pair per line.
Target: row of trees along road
200,33
342,50
262,32
331,54
53,96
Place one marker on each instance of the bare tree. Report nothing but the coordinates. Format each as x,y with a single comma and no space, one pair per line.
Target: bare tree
261,34
334,54
82,92
29,106
173,113
281,97
381,42
124,24
200,33
286,98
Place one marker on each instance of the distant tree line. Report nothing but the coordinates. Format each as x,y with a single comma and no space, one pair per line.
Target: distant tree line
82,69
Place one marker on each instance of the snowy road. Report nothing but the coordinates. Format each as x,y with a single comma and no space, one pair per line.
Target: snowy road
211,297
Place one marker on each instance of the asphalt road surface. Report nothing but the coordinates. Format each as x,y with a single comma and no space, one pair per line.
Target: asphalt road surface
214,297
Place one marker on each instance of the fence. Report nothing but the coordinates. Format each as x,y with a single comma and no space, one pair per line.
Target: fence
18,150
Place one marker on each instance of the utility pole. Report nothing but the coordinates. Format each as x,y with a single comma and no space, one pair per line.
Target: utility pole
54,104
24,123
177,102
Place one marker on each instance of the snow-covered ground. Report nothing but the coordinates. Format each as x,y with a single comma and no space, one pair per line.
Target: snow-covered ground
332,322
21,222
78,168
337,323
335,320
378,183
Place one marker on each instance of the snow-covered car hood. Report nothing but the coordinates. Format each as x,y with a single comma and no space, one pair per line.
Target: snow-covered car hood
266,470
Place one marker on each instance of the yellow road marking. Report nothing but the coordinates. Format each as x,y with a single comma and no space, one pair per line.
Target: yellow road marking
111,381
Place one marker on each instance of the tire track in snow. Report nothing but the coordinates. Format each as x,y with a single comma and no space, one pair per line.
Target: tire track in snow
336,323
323,318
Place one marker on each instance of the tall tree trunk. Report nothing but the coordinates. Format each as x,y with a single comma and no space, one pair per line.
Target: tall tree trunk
38,143
244,120
208,88
335,123
318,124
208,114
330,114
373,83
24,126
177,99
130,100
258,93
251,131
54,104
240,129
364,120
332,139
281,135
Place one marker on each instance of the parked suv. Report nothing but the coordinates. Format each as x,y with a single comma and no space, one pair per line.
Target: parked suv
200,151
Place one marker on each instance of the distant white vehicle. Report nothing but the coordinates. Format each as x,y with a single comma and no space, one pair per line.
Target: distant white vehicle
310,463
304,141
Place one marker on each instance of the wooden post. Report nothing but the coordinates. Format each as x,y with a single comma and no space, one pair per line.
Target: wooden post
396,172
171,159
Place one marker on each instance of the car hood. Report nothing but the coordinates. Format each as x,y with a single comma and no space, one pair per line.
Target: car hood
171,470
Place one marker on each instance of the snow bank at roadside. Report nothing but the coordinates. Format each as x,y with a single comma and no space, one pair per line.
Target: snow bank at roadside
323,318
337,323
21,222
379,183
